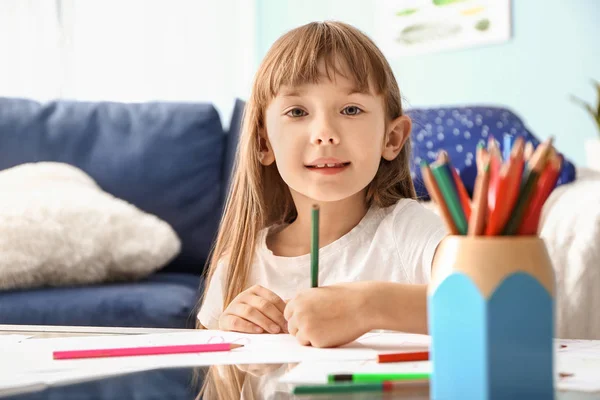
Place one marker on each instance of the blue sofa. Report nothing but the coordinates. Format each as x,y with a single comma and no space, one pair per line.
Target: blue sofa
172,160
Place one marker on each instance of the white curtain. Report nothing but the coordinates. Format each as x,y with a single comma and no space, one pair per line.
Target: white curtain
30,62
128,50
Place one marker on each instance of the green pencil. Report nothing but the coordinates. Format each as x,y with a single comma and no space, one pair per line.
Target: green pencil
449,193
376,378
314,247
512,226
350,387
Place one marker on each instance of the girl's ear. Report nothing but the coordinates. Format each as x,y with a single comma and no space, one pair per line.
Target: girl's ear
397,134
265,155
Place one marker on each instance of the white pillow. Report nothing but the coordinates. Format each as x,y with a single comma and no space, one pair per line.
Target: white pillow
57,227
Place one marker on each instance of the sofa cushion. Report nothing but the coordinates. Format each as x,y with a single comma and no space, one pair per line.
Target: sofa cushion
57,228
458,130
164,300
164,158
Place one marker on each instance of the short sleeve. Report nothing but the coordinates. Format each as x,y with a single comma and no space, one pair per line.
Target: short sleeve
417,233
212,306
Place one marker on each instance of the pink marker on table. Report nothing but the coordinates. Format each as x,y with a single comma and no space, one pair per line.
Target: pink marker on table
144,351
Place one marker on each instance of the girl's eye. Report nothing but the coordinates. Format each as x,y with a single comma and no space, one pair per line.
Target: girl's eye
351,110
296,112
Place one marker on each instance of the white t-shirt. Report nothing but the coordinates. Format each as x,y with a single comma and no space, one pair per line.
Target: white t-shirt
394,244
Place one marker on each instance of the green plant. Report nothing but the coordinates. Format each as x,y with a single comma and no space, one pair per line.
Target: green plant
593,111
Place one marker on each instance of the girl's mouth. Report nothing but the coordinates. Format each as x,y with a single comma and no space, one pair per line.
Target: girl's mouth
328,169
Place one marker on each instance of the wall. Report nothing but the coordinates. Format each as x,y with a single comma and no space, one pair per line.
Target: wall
554,52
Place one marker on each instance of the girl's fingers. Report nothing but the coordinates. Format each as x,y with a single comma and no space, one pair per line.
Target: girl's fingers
293,330
252,314
302,339
269,296
269,310
230,322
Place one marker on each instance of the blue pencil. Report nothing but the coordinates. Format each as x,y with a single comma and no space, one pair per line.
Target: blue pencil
507,146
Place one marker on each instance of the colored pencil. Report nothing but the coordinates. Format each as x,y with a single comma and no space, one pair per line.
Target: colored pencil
545,185
372,378
435,193
350,387
444,159
143,351
507,146
463,195
480,195
479,153
403,357
445,182
495,166
314,247
536,165
509,186
529,149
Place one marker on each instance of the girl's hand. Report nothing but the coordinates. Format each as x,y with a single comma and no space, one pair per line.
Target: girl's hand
255,310
330,316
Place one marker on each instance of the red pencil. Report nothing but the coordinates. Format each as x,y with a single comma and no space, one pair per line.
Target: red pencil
402,357
463,196
144,351
545,185
509,183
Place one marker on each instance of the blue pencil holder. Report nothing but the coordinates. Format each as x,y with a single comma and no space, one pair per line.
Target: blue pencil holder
491,319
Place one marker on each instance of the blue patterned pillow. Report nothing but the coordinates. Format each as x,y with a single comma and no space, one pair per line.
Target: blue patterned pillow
458,130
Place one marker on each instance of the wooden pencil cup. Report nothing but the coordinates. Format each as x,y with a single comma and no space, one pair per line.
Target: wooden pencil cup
491,319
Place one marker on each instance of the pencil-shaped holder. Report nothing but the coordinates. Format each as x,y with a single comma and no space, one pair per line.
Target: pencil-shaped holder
491,319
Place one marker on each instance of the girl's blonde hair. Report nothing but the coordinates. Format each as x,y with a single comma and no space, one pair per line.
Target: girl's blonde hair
258,196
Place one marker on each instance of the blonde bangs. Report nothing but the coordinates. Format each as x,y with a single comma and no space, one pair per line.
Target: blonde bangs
294,60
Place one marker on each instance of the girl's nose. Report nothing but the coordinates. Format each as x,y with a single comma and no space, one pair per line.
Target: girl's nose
325,134
326,139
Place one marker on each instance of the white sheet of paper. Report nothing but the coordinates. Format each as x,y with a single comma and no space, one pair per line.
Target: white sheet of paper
10,340
36,354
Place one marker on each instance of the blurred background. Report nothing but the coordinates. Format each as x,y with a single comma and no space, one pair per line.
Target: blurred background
202,50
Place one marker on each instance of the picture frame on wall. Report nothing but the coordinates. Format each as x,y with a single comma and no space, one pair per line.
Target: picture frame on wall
415,27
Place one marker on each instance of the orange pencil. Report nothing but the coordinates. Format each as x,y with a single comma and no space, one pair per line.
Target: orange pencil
436,195
508,189
480,196
544,187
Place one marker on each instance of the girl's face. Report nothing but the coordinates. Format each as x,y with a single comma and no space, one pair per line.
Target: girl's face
327,139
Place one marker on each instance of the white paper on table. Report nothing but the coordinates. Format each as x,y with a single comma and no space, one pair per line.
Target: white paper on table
582,348
36,354
10,340
316,373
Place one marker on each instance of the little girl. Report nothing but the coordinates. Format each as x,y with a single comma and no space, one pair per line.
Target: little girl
323,125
